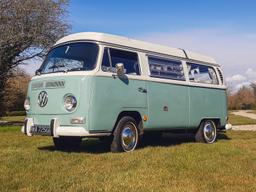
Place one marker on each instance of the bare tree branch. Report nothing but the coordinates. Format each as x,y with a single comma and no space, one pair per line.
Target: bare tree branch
28,28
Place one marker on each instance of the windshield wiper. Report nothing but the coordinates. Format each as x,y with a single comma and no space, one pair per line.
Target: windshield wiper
76,69
56,66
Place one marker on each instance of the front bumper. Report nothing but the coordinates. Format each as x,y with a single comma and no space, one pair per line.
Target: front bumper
55,130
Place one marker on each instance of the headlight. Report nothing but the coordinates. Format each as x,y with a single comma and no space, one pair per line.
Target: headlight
27,104
70,102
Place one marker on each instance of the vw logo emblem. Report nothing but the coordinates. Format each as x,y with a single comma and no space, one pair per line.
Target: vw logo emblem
42,98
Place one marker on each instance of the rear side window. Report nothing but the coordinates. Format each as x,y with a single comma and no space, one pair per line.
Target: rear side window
166,68
113,56
202,74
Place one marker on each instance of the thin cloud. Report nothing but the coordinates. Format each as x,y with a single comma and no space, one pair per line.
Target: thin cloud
235,52
236,78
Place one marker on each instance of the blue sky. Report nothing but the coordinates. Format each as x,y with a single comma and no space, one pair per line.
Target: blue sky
223,29
133,17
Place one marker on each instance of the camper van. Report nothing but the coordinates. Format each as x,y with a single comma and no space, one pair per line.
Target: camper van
107,86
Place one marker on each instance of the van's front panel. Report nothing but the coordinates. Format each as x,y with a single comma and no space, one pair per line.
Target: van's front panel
56,88
59,95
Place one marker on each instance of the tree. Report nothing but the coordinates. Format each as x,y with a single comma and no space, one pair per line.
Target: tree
253,85
16,91
28,28
242,99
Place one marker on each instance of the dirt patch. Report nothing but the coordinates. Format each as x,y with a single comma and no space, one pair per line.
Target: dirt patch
244,128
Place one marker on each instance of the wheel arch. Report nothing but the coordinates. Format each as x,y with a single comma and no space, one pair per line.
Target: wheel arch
216,120
134,114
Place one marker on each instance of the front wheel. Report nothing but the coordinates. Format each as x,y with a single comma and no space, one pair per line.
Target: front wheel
207,132
125,135
67,143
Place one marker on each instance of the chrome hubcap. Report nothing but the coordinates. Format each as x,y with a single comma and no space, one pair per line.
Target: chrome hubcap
129,138
209,132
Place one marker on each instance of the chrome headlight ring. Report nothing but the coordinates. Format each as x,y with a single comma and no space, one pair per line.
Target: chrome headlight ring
70,102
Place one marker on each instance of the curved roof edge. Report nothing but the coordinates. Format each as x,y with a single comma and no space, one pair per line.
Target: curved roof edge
124,41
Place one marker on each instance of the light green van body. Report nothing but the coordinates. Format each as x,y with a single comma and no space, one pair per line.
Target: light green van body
102,97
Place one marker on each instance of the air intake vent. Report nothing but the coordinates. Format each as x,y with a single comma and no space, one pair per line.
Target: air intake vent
54,84
221,76
48,85
37,85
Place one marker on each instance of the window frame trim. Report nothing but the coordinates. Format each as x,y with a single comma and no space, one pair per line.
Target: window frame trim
110,60
168,59
214,69
68,43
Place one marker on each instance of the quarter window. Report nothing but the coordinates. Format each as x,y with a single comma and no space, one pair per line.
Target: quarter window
166,68
111,57
202,74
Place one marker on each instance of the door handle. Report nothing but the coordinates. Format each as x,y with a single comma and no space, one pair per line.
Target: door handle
142,90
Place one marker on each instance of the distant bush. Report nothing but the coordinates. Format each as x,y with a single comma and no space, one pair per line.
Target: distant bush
15,91
16,113
244,98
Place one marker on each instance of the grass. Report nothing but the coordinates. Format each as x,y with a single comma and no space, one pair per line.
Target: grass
172,164
252,111
13,118
240,120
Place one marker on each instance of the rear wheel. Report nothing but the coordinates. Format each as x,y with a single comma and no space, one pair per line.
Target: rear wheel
207,132
125,135
67,143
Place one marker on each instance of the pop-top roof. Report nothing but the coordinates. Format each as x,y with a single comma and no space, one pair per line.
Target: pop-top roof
124,41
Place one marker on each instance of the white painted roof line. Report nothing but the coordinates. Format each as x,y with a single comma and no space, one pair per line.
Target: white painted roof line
124,41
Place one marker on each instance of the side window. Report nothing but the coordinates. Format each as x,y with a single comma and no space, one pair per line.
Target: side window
113,56
166,68
202,74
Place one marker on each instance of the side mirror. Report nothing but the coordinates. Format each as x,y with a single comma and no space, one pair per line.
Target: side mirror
120,69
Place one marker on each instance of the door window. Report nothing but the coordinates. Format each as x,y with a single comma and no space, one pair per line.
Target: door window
111,57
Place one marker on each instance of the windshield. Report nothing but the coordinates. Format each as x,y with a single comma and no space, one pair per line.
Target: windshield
71,57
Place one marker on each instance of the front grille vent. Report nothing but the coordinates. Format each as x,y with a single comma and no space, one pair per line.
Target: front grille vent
37,85
48,85
55,84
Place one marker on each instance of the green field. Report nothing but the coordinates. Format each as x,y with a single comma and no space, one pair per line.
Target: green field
13,118
252,111
240,120
172,164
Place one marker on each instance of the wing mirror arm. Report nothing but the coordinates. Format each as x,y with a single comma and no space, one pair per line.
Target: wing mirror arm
38,72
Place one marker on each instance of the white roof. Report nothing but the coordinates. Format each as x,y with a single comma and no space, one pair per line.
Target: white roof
124,41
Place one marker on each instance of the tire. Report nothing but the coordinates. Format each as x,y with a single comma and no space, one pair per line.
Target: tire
67,143
207,132
125,136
